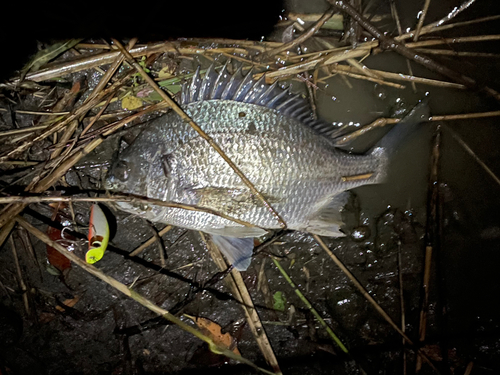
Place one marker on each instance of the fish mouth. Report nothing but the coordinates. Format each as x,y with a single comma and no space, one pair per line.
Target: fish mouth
112,183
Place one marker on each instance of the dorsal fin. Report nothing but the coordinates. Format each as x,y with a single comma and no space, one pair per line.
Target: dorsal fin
243,88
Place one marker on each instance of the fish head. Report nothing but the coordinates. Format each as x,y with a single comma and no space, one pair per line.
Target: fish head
127,174
138,170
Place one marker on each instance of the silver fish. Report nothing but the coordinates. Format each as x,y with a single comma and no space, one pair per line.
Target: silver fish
272,138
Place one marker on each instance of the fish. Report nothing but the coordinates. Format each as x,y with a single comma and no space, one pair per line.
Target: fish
271,135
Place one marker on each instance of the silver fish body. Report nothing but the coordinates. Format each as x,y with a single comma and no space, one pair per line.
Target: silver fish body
272,141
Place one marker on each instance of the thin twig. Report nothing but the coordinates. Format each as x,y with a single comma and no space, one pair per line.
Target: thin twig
89,62
388,43
310,307
5,231
354,30
441,28
369,298
469,367
361,51
311,95
430,234
27,129
20,163
60,125
395,15
25,200
366,78
241,294
435,25
361,288
68,132
96,117
177,109
363,69
457,53
289,70
161,249
473,154
423,14
36,113
151,241
465,116
20,279
380,122
304,36
401,77
25,239
461,39
134,295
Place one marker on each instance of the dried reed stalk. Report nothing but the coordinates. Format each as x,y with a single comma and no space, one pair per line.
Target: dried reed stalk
370,299
134,295
241,294
151,241
303,37
25,200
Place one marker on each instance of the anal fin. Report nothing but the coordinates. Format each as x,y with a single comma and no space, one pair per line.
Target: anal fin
328,220
238,251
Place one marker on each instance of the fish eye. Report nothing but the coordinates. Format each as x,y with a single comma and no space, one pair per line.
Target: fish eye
120,171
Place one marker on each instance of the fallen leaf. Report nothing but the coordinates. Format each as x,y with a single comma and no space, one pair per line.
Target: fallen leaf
45,317
69,302
279,301
131,102
54,257
214,331
164,73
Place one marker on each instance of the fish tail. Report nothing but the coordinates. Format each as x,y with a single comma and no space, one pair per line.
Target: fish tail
393,140
387,148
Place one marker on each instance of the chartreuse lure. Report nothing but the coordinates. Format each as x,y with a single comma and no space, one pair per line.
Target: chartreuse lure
98,235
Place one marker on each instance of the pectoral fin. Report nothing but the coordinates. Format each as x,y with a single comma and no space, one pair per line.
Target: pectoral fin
238,251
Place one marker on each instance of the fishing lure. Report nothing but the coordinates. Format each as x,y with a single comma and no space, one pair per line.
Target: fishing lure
98,235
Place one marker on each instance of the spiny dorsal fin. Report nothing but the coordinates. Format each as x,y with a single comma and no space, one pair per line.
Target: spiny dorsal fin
243,88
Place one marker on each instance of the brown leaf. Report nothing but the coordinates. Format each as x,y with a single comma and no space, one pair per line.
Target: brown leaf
214,331
69,302
53,256
45,317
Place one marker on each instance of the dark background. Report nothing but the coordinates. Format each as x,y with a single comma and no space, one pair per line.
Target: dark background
25,24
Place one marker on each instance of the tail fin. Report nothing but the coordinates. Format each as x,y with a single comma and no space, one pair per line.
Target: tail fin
387,148
403,129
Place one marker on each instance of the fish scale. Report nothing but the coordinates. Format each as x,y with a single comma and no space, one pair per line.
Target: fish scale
270,135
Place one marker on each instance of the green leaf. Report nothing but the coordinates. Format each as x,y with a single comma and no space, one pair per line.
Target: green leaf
44,56
279,301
